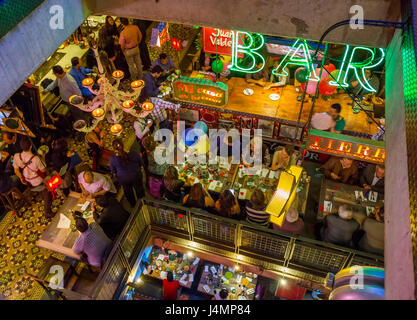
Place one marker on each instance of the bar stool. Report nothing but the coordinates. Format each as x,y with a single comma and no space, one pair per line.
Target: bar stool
10,202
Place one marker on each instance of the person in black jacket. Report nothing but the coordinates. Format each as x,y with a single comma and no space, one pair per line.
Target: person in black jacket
112,217
372,178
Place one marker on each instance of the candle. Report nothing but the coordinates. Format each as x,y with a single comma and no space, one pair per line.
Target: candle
116,128
87,82
147,106
128,104
75,99
118,74
97,113
137,84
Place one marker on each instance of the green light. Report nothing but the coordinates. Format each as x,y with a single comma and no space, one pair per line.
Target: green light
291,59
248,50
358,65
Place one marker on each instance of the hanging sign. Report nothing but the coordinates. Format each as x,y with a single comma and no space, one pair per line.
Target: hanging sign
200,91
219,41
163,33
346,146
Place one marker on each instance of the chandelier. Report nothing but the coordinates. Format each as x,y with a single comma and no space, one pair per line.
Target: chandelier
110,101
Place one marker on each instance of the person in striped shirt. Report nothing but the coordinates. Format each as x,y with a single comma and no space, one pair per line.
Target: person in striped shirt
255,209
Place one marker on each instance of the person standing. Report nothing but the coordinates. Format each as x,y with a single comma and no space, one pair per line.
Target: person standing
79,73
129,40
31,172
151,88
66,83
339,122
170,287
127,167
143,25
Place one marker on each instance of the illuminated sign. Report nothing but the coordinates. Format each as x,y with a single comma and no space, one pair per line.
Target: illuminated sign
346,146
253,43
299,55
219,41
200,91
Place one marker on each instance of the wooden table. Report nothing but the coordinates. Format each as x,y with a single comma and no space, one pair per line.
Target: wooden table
287,107
62,240
159,262
339,193
232,285
208,175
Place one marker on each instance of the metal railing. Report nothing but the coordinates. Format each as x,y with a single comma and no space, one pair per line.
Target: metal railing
301,258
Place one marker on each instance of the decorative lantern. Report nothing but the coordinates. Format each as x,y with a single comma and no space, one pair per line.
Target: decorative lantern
217,66
116,129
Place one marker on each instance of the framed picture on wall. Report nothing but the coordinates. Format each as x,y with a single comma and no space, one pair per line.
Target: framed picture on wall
189,114
286,131
226,124
267,127
246,123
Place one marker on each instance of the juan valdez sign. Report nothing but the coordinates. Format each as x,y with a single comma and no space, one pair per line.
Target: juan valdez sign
222,39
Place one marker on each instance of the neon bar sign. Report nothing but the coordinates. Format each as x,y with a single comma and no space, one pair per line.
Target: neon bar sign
329,143
255,42
201,91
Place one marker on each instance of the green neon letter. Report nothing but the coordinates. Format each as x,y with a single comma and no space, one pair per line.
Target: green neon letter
290,58
358,67
249,50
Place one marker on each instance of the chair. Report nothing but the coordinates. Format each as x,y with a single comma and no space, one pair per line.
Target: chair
9,199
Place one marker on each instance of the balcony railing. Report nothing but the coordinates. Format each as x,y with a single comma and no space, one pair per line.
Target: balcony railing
302,258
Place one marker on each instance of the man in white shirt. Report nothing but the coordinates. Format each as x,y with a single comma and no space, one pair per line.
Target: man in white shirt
142,127
30,169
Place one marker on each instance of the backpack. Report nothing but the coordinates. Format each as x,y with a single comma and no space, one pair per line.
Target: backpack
155,187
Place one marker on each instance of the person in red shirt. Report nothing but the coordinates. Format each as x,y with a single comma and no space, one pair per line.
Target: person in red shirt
170,287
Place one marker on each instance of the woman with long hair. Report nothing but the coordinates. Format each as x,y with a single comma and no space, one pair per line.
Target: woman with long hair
227,205
255,209
127,167
172,184
198,198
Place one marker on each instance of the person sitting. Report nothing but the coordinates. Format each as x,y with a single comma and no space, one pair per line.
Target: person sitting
170,287
58,158
151,88
291,224
172,184
95,142
227,205
112,217
373,239
128,170
198,198
259,78
154,168
167,65
341,169
283,158
372,178
79,73
338,229
255,209
92,241
31,171
12,146
94,184
221,294
266,156
358,90
338,121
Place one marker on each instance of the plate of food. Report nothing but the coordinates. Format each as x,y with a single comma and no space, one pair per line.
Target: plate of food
248,92
274,96
87,214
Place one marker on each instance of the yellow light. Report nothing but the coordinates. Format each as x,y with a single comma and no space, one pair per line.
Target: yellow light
283,282
193,244
116,128
118,74
97,113
87,82
128,104
137,84
190,254
147,106
236,267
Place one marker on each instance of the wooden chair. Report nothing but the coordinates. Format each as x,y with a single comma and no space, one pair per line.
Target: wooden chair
9,199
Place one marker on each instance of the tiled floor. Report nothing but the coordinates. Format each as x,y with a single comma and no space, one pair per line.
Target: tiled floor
18,236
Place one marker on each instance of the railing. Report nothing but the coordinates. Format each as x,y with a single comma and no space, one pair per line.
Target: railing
14,11
301,258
